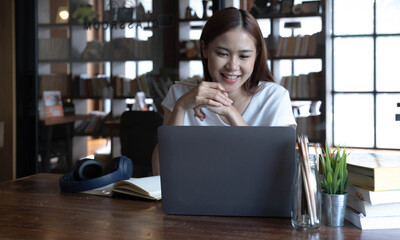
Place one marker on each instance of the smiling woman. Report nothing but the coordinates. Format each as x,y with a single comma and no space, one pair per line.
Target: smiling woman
238,88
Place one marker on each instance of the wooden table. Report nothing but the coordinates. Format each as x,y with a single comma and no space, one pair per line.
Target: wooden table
34,208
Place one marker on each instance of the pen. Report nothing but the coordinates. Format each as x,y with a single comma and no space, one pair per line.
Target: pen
186,83
192,84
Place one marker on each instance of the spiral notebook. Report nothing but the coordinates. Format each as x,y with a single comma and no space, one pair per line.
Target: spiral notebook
227,171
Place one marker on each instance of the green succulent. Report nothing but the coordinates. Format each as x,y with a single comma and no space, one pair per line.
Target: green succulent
334,170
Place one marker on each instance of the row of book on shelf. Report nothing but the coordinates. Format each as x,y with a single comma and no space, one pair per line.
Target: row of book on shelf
97,123
97,86
92,125
303,85
103,86
294,46
374,194
119,48
299,46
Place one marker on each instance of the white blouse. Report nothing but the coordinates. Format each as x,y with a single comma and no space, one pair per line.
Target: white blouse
269,106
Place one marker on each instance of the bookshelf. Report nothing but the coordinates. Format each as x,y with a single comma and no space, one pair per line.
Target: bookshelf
102,44
291,50
299,68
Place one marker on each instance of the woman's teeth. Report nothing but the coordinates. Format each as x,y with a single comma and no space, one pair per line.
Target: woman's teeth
231,77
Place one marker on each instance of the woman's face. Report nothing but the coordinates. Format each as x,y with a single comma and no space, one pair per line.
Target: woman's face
231,58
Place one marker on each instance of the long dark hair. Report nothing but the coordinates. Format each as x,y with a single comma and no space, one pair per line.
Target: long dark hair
231,18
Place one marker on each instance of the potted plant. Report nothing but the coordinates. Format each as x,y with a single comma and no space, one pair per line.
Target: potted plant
335,182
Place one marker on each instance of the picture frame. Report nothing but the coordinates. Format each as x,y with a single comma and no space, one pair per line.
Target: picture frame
286,6
53,104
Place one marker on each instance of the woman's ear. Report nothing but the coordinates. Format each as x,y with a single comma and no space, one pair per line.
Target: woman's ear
203,49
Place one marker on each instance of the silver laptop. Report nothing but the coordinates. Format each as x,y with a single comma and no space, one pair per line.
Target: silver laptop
227,171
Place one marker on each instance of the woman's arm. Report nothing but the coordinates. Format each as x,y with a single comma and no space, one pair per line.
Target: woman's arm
155,161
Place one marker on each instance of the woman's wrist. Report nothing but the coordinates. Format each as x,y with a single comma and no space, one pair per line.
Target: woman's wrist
235,118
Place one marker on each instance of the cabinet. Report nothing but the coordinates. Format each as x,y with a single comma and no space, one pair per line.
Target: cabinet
99,56
297,57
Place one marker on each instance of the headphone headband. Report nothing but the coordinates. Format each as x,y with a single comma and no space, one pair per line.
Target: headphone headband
71,182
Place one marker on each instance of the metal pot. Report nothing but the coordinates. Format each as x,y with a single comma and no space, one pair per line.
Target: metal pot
334,208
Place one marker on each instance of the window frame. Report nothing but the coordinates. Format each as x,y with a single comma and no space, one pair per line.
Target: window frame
331,92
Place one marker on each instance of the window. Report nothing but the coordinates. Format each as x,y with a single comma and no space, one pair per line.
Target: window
366,82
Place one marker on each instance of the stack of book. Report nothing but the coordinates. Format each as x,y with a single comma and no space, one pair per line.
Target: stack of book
374,194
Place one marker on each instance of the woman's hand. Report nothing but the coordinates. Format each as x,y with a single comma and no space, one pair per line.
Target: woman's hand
206,94
229,113
220,110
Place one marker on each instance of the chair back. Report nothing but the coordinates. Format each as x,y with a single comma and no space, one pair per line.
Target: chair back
138,136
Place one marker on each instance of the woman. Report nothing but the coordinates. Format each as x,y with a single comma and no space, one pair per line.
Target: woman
238,88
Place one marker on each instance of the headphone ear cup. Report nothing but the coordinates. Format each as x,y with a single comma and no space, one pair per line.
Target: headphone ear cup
126,166
88,169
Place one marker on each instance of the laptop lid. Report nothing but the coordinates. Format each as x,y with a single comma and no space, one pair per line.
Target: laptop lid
229,171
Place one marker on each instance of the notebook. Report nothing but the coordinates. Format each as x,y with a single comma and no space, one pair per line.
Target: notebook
227,171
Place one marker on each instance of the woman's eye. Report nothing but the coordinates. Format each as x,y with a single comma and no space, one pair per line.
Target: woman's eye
222,54
244,56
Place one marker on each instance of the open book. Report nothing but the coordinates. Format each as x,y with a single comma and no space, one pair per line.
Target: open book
146,187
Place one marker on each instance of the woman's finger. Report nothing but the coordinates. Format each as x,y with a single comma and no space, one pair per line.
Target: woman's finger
198,112
209,91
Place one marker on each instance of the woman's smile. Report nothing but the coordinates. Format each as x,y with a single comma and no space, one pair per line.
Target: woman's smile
230,78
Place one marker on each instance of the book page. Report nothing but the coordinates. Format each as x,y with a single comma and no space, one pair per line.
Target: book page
374,160
150,186
134,193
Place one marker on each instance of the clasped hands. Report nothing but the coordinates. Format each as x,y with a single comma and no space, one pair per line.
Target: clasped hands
210,95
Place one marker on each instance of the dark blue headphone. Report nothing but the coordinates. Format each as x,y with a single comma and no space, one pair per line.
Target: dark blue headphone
90,174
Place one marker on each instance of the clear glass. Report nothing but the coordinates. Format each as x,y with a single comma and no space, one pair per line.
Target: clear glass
387,70
284,69
147,5
309,25
353,17
305,66
306,205
354,120
387,16
265,26
354,64
196,68
387,128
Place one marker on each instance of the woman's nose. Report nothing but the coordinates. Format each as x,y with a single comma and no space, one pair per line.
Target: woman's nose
233,63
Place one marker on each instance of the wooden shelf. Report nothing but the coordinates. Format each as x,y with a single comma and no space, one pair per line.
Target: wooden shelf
295,58
277,16
193,20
